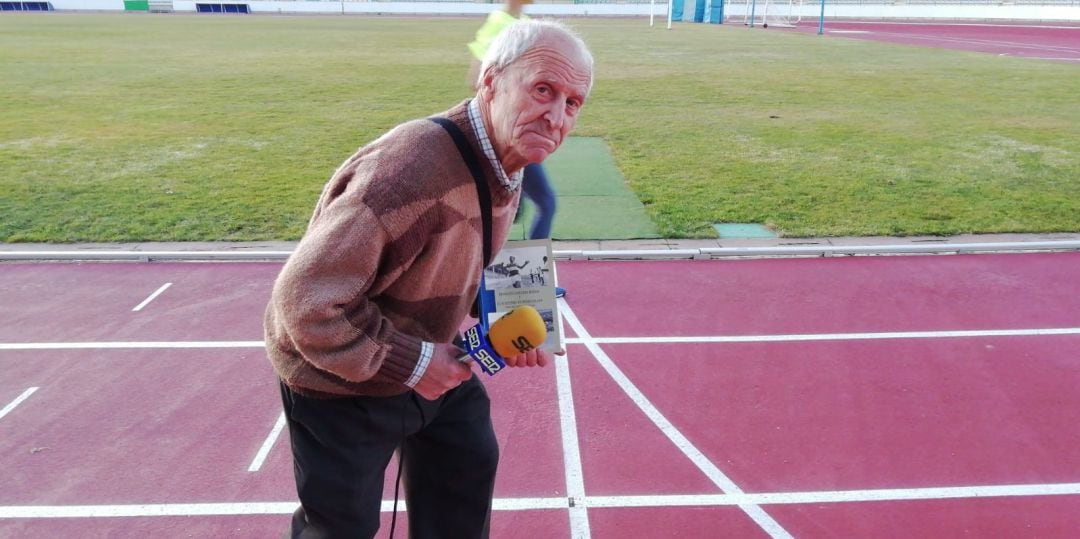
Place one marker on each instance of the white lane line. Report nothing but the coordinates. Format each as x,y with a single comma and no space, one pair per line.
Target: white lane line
575,478
18,400
151,297
128,345
831,336
260,457
839,496
529,504
755,512
146,510
598,340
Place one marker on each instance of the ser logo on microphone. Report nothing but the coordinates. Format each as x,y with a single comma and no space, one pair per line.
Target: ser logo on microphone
473,334
522,344
487,361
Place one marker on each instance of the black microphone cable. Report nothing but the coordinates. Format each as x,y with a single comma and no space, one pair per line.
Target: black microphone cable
401,452
460,341
400,467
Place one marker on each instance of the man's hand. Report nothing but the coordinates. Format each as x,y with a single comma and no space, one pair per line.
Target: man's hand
445,372
533,358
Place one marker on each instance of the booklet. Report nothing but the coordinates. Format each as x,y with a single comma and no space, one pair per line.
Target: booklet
523,273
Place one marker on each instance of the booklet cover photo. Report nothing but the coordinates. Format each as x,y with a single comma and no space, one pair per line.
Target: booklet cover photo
523,273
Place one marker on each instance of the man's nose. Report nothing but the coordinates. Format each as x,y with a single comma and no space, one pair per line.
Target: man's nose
556,114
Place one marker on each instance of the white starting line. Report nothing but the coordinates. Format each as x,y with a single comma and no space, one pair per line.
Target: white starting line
946,334
596,502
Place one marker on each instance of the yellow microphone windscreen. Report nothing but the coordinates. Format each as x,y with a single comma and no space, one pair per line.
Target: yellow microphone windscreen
517,332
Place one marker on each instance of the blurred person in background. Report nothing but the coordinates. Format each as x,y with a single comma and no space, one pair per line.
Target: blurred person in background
535,186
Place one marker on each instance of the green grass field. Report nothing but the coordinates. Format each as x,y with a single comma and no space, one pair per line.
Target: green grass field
135,127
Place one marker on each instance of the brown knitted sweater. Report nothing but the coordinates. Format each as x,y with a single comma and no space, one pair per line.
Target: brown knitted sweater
391,257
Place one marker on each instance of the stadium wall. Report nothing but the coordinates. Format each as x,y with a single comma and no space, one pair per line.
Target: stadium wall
884,10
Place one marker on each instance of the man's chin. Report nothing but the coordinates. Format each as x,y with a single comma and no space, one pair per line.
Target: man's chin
538,155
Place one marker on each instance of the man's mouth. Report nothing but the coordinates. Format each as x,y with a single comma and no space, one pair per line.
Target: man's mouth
547,139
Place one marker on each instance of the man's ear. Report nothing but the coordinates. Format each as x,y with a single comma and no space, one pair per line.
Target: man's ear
487,84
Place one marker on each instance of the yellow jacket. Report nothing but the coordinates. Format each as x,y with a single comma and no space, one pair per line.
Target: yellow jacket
497,20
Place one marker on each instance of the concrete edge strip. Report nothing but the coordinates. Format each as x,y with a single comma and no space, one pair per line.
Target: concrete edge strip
822,250
144,256
629,254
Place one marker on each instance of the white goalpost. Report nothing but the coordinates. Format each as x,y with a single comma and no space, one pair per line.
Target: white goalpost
765,13
782,13
652,10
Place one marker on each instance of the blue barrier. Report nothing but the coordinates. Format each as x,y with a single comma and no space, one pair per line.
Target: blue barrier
222,8
25,6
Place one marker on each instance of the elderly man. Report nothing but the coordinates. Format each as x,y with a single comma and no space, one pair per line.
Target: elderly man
362,320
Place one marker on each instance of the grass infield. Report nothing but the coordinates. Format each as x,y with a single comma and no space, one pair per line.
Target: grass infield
136,127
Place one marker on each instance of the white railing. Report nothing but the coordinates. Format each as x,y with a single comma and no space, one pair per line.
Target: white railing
1018,10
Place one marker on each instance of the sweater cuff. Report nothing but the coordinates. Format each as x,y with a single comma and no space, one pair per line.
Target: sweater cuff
402,357
426,351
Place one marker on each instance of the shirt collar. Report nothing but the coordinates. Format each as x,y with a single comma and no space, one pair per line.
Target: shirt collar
512,181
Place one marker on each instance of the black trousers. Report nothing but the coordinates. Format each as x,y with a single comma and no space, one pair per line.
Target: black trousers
341,448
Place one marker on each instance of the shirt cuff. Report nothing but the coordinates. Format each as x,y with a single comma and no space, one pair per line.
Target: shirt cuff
426,351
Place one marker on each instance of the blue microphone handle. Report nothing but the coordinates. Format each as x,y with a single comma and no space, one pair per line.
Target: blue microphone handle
478,349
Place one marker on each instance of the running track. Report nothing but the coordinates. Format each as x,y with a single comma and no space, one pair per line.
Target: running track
899,396
1045,42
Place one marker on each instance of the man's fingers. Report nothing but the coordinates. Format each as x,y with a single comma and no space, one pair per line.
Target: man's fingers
445,372
532,358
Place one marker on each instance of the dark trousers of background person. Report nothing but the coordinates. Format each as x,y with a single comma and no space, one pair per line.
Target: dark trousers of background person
537,188
341,448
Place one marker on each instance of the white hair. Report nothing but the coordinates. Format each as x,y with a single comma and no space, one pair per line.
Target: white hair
519,37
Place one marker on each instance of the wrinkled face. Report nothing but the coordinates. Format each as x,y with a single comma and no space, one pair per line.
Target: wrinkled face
533,104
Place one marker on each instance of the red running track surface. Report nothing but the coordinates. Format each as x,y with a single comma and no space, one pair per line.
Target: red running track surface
1050,42
929,396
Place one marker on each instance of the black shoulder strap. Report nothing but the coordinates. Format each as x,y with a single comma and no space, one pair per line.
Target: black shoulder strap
478,176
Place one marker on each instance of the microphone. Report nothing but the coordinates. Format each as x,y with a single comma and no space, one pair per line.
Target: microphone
516,332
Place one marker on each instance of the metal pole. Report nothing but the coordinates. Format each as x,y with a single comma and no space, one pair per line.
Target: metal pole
753,7
821,21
